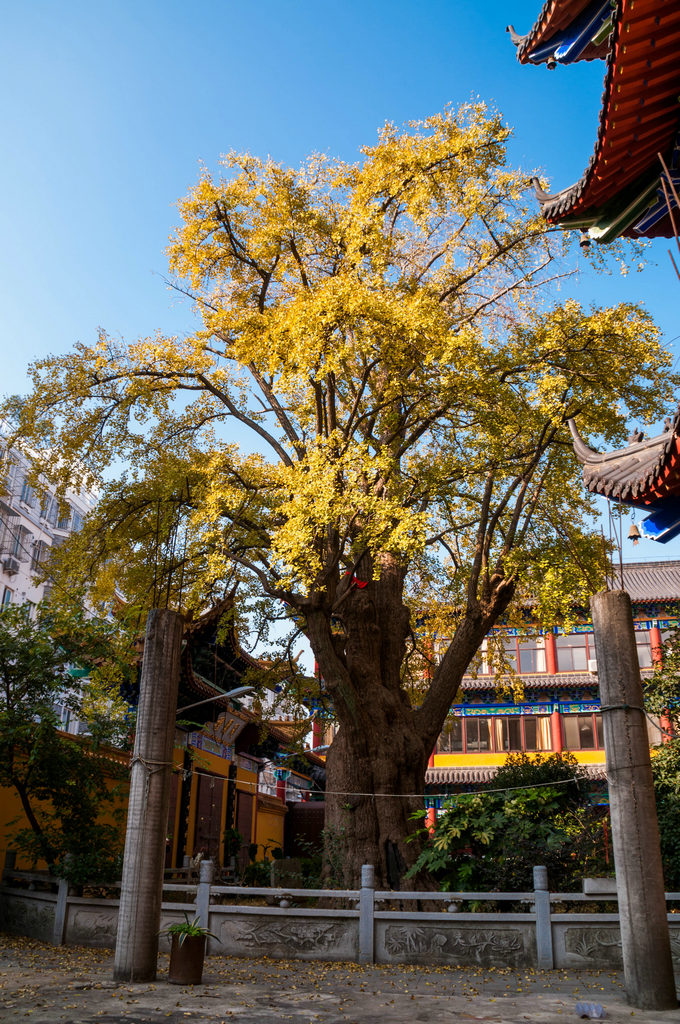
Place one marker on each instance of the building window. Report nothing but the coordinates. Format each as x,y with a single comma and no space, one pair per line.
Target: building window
477,734
28,494
531,652
451,739
64,520
537,735
77,523
574,652
500,733
583,732
63,713
643,642
7,596
520,654
38,554
50,510
508,733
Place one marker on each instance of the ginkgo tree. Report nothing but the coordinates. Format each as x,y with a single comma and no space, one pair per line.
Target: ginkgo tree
368,428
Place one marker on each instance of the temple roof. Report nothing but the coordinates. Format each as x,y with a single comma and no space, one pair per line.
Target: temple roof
211,666
556,16
640,474
620,192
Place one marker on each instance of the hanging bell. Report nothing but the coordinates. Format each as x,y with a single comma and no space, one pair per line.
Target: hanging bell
634,534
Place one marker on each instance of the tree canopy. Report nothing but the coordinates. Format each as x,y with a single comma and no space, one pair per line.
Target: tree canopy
367,427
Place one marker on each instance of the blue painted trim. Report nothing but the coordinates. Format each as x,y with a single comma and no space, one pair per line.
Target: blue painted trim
664,522
566,46
660,208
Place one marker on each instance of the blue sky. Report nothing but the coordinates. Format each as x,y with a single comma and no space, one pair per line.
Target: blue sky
109,108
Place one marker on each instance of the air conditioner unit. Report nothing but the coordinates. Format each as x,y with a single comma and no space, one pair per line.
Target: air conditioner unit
10,566
592,666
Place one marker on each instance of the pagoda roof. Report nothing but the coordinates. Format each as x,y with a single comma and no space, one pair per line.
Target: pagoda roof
620,192
644,472
544,37
211,666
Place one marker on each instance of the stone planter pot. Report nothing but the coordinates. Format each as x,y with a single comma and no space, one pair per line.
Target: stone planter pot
186,960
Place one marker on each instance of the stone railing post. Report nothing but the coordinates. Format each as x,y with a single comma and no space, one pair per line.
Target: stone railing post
366,909
10,861
60,909
205,880
544,946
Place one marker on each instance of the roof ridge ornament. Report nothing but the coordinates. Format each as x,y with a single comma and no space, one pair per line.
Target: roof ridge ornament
583,452
540,192
516,38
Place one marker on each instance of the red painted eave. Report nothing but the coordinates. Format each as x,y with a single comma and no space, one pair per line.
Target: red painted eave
640,116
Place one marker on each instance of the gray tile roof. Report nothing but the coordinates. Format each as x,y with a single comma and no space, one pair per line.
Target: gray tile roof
651,581
469,775
540,681
543,681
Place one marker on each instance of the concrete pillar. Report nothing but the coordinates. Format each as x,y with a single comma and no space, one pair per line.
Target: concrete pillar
142,884
645,944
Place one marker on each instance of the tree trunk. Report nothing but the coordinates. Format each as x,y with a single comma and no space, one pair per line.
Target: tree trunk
377,762
375,783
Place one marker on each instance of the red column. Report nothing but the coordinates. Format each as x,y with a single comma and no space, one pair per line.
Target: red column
281,789
430,819
657,659
550,654
556,732
430,763
655,638
317,733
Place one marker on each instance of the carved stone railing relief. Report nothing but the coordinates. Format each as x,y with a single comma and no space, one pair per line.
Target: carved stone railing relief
362,925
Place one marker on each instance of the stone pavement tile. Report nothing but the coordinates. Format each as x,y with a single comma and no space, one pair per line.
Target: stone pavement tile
43,984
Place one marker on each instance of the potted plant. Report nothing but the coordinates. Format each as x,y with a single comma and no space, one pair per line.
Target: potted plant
187,951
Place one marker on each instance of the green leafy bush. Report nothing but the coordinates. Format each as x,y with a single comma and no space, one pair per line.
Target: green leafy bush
491,840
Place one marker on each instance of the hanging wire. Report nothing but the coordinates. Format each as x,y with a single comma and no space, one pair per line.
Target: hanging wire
409,796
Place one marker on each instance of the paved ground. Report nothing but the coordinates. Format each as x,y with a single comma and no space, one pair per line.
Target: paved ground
45,985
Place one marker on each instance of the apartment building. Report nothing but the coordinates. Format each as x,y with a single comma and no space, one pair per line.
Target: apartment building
30,526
